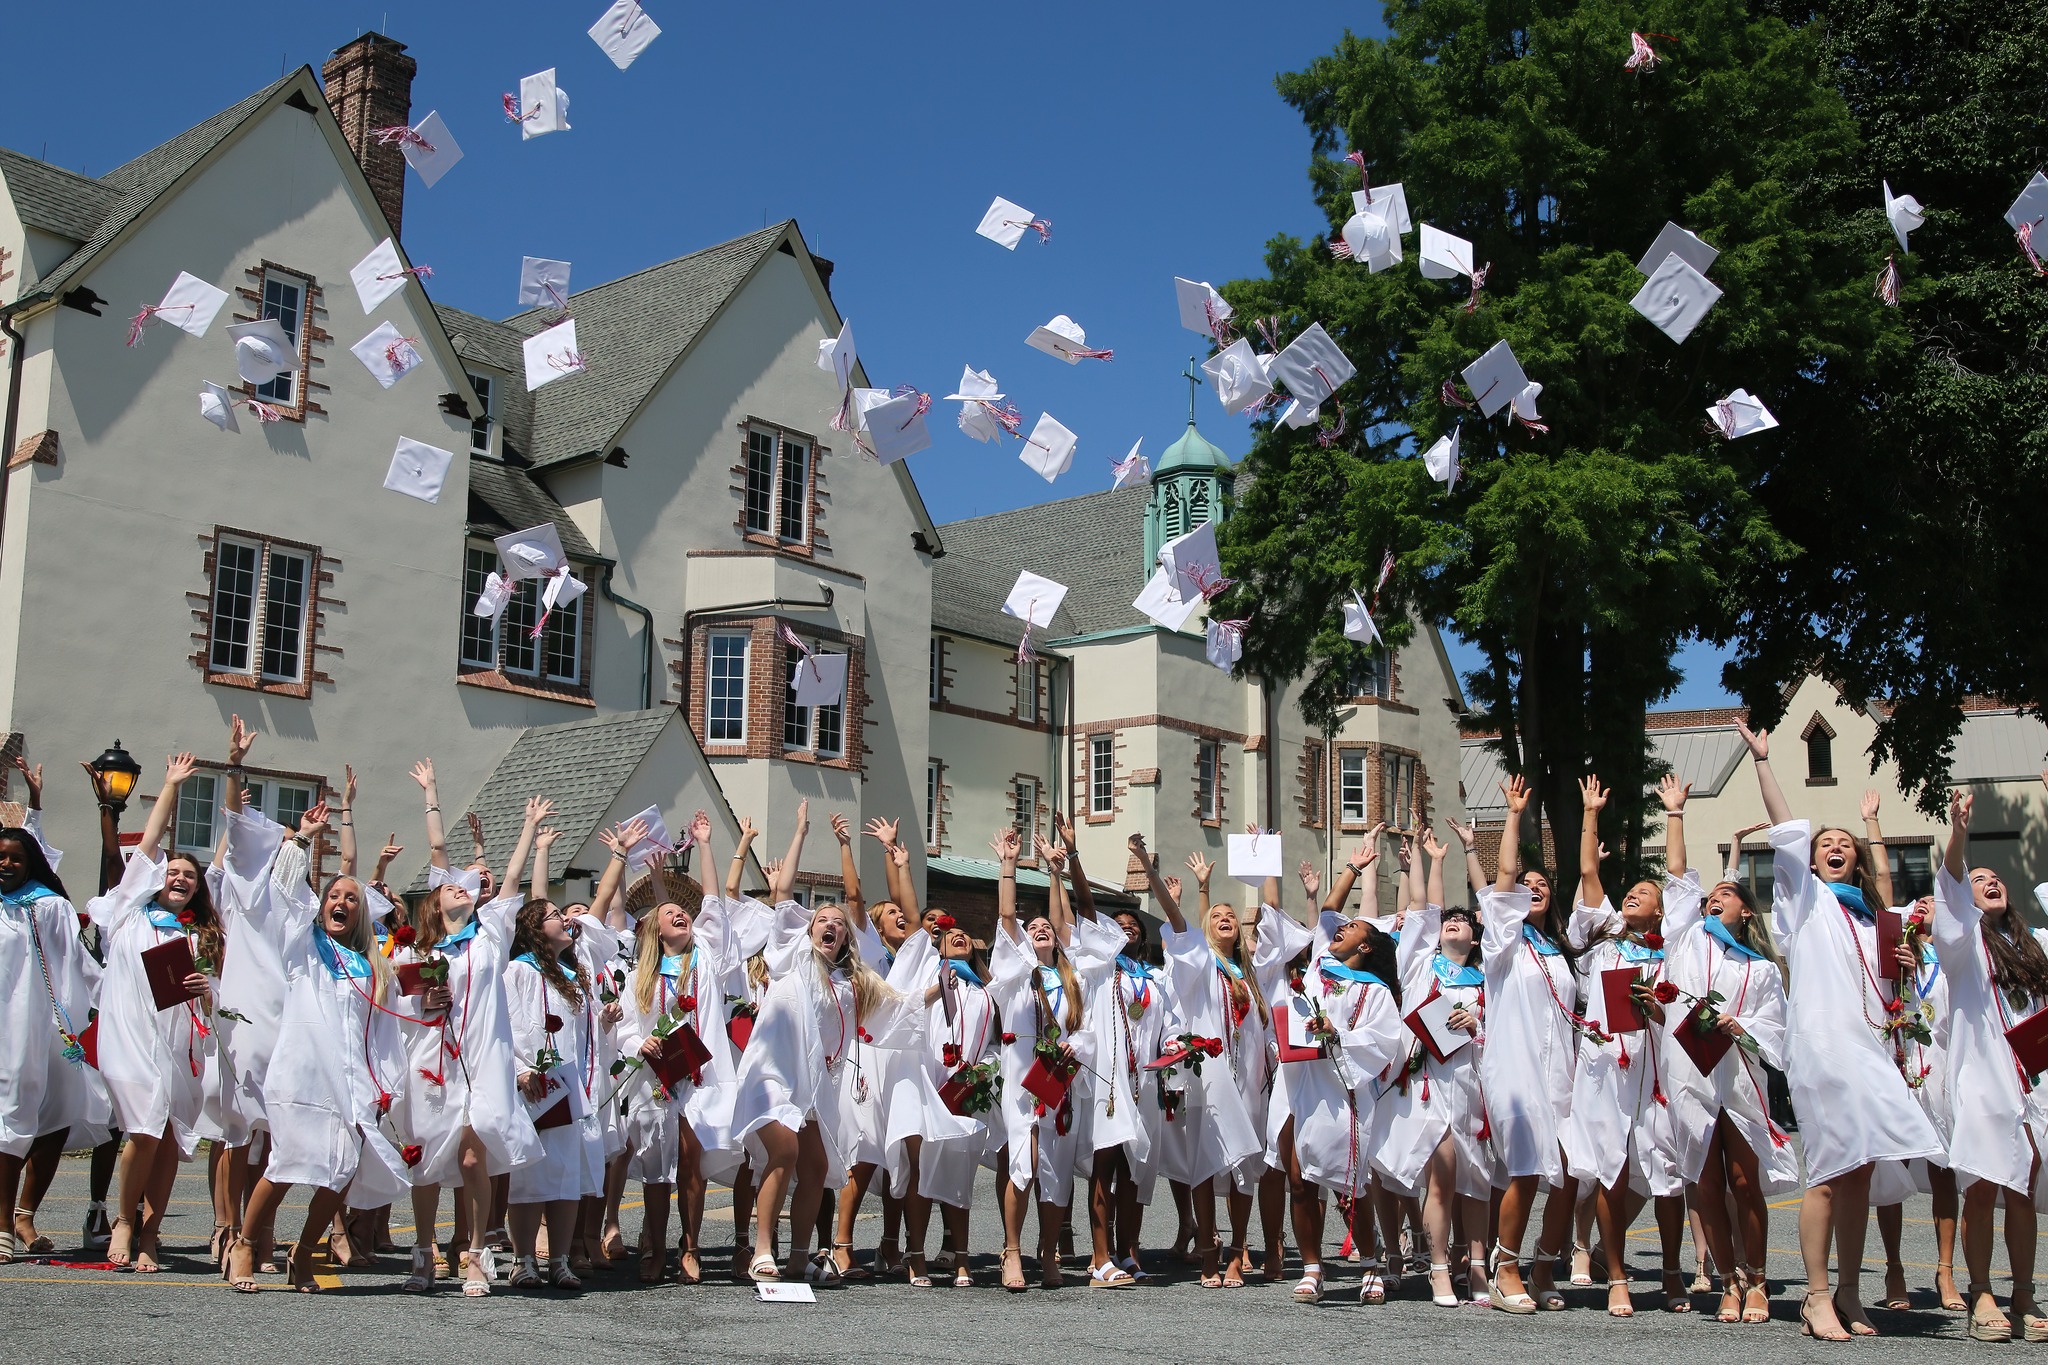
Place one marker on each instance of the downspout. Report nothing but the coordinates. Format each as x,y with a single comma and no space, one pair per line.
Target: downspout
9,431
610,592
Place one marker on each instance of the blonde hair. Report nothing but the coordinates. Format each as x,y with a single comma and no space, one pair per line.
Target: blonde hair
362,937
869,990
1247,944
647,955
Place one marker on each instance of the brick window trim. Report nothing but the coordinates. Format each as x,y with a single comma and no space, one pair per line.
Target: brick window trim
768,663
310,331
815,542
1084,775
577,693
1027,854
938,844
1337,753
1041,685
41,448
322,570
1313,775
1218,820
943,643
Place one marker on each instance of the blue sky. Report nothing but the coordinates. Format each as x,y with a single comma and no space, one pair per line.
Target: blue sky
1150,136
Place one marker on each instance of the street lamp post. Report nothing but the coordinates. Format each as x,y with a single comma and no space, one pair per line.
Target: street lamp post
113,780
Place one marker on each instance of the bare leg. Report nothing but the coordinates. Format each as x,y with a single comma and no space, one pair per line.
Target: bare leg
1240,1207
320,1211
138,1163
1557,1225
1980,1214
1274,1189
38,1169
1890,1224
1609,1204
2021,1232
1102,1206
612,1242
1014,1204
778,1170
653,1231
1941,1183
858,1178
156,1198
808,1196
1306,1206
1186,1229
690,1199
1202,1203
1517,1201
1851,1210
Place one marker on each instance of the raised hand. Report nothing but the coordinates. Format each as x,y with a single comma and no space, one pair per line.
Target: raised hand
700,826
1063,827
882,831
314,821
348,786
392,848
1136,843
1516,790
240,737
1960,804
545,836
422,771
1591,794
1869,804
747,833
1673,793
1468,833
1201,867
1007,846
1748,830
1433,846
1054,855
1759,745
179,767
1172,885
841,831
1311,880
899,855
803,816
34,778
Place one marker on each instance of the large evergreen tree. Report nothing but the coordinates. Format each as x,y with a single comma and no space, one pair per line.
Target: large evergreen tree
1577,560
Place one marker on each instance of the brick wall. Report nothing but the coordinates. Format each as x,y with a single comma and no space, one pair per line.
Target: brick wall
369,86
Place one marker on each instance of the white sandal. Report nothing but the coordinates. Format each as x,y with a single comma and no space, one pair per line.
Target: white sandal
1519,1304
527,1276
763,1269
1309,1289
1449,1300
1110,1275
421,1278
1372,1289
476,1289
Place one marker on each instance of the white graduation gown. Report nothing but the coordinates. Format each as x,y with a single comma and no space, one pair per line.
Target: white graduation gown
1128,1016
1753,994
459,1071
952,1145
710,976
1527,1065
41,1091
1064,1143
1438,1097
571,1160
1620,1110
1853,1103
1336,1100
1995,1129
252,979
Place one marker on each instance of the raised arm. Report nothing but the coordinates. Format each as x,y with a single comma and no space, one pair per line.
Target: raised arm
177,769
737,868
1880,860
240,738
1077,880
707,861
1955,859
543,840
619,840
1168,900
538,809
1592,800
1468,837
477,853
1438,852
437,838
348,821
849,874
1007,846
1201,867
1056,908
1673,793
1361,858
895,865
1775,804
1733,871
783,882
1516,791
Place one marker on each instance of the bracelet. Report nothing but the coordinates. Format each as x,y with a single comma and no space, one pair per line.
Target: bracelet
348,824
618,857
233,770
435,809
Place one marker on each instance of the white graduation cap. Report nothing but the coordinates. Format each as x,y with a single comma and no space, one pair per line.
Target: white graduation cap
1063,337
656,844
1675,240
1312,365
1225,643
1370,237
496,594
552,353
1444,257
468,878
2041,896
1441,459
387,354
1298,414
975,386
218,408
1005,224
624,31
1035,600
819,680
1252,858
1675,297
837,356
431,149
543,282
1238,375
2032,205
263,350
1201,307
1358,622
191,304
378,275
1049,450
1496,378
418,470
1905,214
1525,403
543,105
895,426
1740,414
1162,604
1193,561
1133,469
979,423
535,552
1388,201
379,906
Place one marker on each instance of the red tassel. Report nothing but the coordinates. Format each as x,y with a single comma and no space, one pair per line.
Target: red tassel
434,1077
1657,1094
1624,1053
1425,1087
1485,1133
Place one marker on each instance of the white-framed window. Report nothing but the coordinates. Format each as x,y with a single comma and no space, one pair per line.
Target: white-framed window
1397,775
481,425
817,729
197,824
509,643
725,693
1024,809
261,593
1102,775
936,651
284,298
1209,779
933,776
1027,691
778,488
1351,796
193,827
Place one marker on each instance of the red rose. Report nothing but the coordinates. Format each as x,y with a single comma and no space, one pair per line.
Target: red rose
1654,942
951,1053
404,935
383,1101
1213,1046
553,1023
185,918
83,920
1665,992
412,1155
688,1002
1009,1037
943,922
1296,981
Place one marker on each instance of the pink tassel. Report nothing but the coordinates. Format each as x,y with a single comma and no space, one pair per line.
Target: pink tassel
1007,417
1092,355
1269,332
795,641
842,420
1641,56
424,272
1523,421
149,310
1340,248
263,412
2025,234
1329,436
1449,394
568,362
395,353
540,625
403,136
512,114
1888,281
1357,158
1478,283
924,403
1210,588
1025,653
1041,226
1219,327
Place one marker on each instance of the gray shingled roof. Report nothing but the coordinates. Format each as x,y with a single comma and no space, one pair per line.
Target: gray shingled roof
633,330
52,199
137,184
1095,544
581,766
503,499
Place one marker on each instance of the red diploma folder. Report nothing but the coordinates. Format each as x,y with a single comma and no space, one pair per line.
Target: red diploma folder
1430,1021
89,1042
1705,1045
1172,1055
2028,1040
953,1094
410,981
1623,1014
1048,1081
167,965
682,1056
544,1114
557,1117
1891,931
738,1029
1291,1031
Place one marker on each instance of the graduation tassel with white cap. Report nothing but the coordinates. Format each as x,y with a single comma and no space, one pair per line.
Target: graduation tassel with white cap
796,642
1888,280
1641,56
401,136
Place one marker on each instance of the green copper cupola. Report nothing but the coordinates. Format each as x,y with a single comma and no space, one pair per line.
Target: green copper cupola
1188,487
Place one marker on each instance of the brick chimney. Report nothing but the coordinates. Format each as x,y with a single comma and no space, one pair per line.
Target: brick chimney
369,86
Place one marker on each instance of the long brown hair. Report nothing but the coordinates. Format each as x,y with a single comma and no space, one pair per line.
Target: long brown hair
1866,875
210,933
529,937
2018,966
429,922
1247,943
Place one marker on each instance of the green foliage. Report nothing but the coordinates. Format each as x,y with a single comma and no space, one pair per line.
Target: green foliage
1580,559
